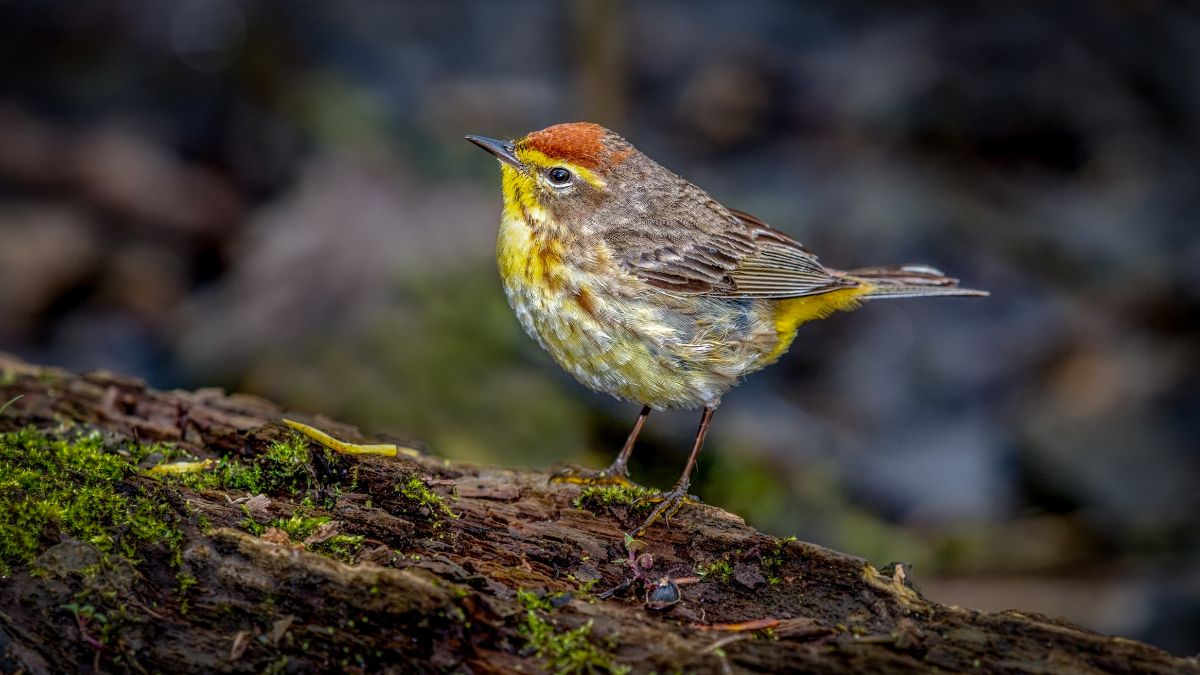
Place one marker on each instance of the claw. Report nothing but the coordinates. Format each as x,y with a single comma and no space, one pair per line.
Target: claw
576,475
384,449
669,504
616,473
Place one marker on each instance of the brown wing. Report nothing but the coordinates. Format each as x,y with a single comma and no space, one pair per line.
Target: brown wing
746,259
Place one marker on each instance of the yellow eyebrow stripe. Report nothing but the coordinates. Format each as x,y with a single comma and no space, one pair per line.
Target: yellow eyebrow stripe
536,158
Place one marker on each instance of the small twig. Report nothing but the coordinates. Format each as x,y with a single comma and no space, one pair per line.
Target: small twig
742,627
725,667
82,623
181,467
717,649
740,631
728,639
11,401
140,605
241,640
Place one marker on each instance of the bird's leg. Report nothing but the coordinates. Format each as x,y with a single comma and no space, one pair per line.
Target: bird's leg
384,449
617,473
669,503
620,465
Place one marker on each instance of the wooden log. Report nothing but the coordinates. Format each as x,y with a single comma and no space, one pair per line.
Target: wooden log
278,556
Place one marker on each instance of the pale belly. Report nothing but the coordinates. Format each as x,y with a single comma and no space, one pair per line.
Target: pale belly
643,350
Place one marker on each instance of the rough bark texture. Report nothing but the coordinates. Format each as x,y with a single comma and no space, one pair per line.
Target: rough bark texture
430,592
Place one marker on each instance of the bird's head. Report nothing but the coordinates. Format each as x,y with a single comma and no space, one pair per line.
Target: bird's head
560,171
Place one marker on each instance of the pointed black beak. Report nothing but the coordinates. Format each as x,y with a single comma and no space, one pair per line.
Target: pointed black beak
503,150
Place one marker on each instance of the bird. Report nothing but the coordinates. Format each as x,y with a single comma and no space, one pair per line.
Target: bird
642,286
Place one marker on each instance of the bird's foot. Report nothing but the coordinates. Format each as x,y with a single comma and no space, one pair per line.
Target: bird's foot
668,504
382,449
578,475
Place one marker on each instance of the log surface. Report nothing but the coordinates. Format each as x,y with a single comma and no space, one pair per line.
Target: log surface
428,592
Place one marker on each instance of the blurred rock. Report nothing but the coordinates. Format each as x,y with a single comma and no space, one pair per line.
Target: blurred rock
31,150
137,179
146,279
207,35
118,171
45,250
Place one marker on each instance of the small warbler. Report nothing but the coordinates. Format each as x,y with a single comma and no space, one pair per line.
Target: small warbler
643,286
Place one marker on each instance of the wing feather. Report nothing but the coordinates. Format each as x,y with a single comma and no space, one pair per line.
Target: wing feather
743,258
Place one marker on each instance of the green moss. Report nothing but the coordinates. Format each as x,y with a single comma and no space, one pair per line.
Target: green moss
203,522
186,583
75,486
584,587
285,468
344,547
772,559
564,651
252,526
300,527
533,601
418,493
597,497
717,570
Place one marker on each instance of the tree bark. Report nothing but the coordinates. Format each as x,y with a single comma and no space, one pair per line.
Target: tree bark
507,576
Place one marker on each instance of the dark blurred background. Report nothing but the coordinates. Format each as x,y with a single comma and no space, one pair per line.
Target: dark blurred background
275,197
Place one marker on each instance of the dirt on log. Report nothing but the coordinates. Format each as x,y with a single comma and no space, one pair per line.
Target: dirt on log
278,556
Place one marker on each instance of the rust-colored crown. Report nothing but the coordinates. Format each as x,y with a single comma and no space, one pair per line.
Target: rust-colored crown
580,143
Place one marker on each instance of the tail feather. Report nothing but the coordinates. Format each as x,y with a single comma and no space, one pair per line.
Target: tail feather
909,281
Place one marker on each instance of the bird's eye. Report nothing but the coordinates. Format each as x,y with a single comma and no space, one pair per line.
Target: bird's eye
559,176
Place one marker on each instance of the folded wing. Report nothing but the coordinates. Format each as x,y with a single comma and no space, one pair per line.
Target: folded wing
750,259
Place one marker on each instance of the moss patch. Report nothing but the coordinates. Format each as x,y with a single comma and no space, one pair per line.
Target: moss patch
285,468
772,559
344,547
564,651
717,570
76,487
300,527
598,497
419,495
